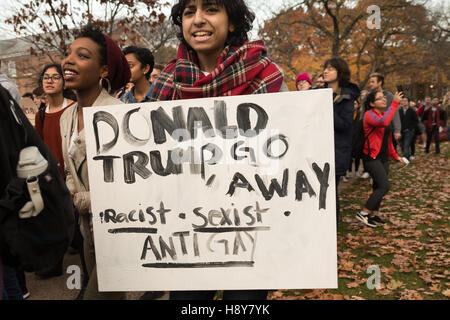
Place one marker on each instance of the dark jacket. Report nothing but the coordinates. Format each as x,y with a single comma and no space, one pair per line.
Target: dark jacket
45,231
409,119
343,108
11,135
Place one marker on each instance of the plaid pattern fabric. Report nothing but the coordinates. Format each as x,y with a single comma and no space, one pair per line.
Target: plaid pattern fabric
240,70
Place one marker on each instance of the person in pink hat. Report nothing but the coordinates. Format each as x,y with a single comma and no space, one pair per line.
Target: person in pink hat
303,82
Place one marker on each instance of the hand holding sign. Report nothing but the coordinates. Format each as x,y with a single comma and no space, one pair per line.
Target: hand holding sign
213,193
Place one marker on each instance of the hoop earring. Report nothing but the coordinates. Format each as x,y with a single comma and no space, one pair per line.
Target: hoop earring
108,84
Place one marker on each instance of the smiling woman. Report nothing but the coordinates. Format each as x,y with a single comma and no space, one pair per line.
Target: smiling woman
93,66
216,59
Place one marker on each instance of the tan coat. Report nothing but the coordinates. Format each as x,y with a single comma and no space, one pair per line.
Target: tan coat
77,179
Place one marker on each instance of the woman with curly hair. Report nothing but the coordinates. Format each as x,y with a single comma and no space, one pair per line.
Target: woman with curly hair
216,59
94,67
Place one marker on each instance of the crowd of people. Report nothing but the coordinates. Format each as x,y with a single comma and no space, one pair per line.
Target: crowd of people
392,125
215,58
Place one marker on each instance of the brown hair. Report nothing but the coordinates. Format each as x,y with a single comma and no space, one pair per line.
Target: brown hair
343,71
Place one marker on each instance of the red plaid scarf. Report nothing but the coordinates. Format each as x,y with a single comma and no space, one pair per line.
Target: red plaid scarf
240,70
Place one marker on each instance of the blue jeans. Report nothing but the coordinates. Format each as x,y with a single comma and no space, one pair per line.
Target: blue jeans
11,288
407,138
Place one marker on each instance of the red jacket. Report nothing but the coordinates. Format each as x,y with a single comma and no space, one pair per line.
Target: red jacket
420,110
373,120
428,118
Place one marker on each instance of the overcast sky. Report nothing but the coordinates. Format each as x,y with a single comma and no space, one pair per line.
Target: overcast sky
262,8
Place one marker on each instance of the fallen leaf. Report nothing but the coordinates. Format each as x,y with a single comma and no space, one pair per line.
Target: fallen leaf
277,294
400,261
425,276
384,292
410,295
353,284
436,287
395,284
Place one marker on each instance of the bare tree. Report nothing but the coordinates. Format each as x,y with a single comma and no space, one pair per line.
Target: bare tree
161,39
49,24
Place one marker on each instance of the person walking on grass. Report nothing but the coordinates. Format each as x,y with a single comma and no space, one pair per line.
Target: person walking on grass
409,124
377,150
433,118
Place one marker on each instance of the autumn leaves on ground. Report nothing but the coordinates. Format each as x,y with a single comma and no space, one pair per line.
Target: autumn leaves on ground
412,250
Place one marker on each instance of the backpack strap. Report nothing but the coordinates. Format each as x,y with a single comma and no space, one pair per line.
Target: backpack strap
42,113
368,141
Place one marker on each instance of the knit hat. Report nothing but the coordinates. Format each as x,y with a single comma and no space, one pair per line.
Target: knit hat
303,76
119,73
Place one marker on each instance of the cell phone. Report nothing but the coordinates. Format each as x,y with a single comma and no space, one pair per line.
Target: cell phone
400,88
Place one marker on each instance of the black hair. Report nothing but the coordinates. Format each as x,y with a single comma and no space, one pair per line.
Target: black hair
239,15
38,91
67,93
144,56
95,34
58,68
343,71
379,77
370,98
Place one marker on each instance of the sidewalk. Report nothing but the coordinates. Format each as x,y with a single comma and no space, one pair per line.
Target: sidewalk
57,289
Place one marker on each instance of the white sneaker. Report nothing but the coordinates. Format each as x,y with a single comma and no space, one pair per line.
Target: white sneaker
412,158
367,220
365,175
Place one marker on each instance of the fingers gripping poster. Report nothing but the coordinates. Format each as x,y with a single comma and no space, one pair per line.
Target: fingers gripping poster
214,194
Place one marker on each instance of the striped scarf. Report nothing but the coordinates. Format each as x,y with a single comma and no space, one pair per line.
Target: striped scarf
240,70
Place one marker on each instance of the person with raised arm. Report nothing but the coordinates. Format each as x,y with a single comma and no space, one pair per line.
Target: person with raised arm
377,150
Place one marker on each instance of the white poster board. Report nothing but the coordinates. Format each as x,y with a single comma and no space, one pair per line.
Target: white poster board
182,199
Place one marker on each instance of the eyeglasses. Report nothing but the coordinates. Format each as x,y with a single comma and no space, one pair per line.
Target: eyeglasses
380,98
55,77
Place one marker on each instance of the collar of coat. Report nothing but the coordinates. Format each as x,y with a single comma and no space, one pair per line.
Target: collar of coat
340,96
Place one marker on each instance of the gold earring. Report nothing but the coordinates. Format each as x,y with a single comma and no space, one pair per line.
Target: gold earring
108,84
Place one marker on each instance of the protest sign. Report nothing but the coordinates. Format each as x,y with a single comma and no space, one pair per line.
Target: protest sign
218,193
